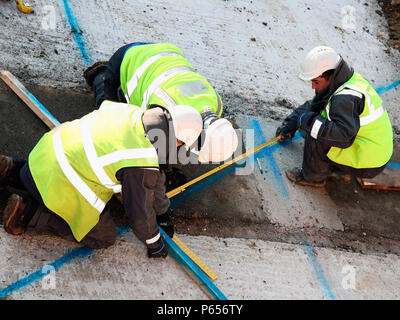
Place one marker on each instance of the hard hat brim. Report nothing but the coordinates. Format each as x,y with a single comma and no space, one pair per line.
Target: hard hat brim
306,78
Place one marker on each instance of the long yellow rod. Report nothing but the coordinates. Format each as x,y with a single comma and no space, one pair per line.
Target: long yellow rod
183,187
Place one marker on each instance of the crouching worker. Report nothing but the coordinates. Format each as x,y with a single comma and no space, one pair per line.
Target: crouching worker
143,74
348,131
77,167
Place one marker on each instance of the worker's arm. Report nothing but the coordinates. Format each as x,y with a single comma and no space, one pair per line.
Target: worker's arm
342,128
138,192
289,126
161,204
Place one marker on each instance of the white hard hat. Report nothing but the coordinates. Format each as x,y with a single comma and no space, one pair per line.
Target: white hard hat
220,142
317,61
187,123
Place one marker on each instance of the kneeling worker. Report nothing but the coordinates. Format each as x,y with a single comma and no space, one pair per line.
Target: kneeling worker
75,169
348,131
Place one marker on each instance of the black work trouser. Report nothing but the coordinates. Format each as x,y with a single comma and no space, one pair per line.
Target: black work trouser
38,219
317,166
106,85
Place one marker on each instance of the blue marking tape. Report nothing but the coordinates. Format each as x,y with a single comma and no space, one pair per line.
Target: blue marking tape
35,276
77,32
182,258
35,101
319,272
173,250
384,89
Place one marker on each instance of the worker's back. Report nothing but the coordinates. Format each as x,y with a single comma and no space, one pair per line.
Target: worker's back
159,74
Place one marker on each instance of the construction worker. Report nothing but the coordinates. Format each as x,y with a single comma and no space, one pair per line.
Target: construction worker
347,130
157,73
76,168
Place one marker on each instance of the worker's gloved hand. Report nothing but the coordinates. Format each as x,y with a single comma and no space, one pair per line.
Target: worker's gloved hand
284,133
157,249
164,221
174,178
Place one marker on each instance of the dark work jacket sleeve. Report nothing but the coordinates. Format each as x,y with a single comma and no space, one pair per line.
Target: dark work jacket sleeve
342,128
139,186
291,121
161,201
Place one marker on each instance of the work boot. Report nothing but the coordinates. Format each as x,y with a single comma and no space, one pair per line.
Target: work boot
90,73
296,175
339,176
13,215
7,166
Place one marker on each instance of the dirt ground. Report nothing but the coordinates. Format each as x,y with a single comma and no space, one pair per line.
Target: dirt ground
391,10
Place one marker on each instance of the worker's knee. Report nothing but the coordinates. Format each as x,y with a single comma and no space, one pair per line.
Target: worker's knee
103,243
103,234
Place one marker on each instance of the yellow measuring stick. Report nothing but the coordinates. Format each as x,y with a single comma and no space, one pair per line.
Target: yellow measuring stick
182,188
211,274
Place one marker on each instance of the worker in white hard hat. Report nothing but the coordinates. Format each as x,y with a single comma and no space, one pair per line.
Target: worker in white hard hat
76,168
348,132
146,74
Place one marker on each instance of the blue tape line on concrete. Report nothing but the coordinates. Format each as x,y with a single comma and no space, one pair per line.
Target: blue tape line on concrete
384,89
77,32
319,272
175,251
189,265
57,264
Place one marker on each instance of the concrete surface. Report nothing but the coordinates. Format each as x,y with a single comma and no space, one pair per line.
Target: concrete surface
263,236
247,269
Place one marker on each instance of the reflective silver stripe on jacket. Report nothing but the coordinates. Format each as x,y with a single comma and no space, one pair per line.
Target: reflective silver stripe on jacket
127,154
132,83
154,239
160,79
91,155
165,97
71,174
189,88
97,164
315,129
219,104
373,115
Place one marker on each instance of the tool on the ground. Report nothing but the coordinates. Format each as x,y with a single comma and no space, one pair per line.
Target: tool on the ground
191,266
259,165
211,274
177,249
29,99
24,6
182,188
388,179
